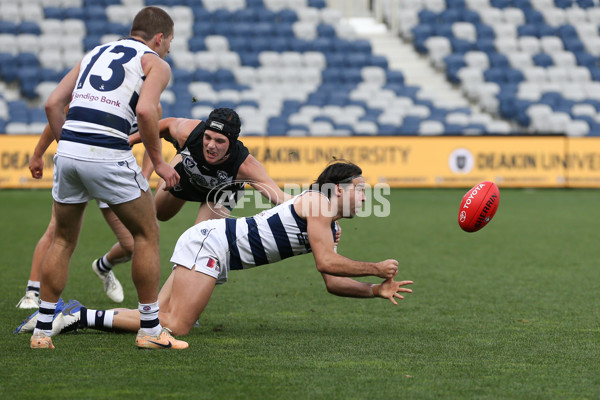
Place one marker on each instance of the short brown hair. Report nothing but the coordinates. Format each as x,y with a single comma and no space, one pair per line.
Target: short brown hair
151,21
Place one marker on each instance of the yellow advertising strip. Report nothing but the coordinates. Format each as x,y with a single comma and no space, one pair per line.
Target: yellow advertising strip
582,162
510,161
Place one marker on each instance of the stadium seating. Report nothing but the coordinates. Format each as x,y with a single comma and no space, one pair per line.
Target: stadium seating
531,62
292,67
278,59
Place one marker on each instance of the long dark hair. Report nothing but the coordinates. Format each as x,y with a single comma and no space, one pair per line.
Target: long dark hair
337,172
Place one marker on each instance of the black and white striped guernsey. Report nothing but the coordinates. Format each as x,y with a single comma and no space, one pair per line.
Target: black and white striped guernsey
268,237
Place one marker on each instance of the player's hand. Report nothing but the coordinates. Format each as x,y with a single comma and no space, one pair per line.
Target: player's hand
168,174
338,233
36,167
387,269
391,288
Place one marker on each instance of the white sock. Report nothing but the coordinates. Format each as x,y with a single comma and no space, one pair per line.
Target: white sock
100,318
149,318
45,316
106,262
33,286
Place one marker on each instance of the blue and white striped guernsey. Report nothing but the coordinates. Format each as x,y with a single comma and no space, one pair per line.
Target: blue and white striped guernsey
268,237
102,109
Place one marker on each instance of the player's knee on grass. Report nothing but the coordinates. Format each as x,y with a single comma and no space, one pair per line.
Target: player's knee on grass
178,327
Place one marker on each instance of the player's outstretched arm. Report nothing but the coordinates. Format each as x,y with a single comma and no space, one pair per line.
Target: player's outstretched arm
348,287
317,211
253,172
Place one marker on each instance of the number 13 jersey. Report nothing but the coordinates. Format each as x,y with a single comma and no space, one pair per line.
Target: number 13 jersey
102,109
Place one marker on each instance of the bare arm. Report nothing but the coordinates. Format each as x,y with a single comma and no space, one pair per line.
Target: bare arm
158,74
348,287
171,128
256,175
58,99
316,209
36,163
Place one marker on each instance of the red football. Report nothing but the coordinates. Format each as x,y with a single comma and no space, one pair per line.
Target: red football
478,206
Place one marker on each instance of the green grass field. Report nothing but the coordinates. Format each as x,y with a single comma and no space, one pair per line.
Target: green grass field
510,312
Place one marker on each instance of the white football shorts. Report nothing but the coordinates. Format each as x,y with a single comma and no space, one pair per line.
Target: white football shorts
204,248
112,182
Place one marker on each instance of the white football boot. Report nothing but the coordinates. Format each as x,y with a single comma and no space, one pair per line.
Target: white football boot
112,286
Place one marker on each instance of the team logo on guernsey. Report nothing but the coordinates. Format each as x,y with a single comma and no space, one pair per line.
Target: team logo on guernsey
222,175
99,314
211,263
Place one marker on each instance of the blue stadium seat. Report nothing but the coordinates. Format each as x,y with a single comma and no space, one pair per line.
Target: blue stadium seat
528,30
196,43
25,60
461,46
49,75
18,111
394,77
379,61
533,16
543,60
522,4
255,3
181,75
498,60
91,41
245,15
95,28
283,30
574,44
485,45
325,31
29,27
287,16
8,27
223,76
428,17
546,30
500,3
317,3
362,46
73,13
94,13
266,15
280,44
451,15
37,115
586,3
563,3
484,31
357,60
459,4
299,45
117,28
201,15
237,44
471,16
54,13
